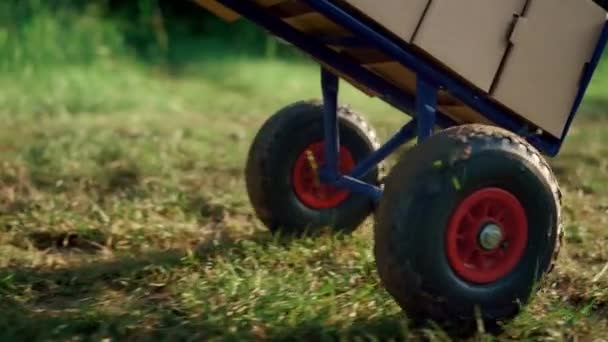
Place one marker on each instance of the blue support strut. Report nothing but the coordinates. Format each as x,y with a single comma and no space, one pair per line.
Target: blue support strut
356,185
329,85
405,134
330,173
426,108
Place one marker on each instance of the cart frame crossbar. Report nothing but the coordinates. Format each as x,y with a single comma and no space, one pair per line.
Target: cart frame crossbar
422,107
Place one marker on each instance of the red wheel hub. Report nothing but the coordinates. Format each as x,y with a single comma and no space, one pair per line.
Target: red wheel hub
306,178
487,235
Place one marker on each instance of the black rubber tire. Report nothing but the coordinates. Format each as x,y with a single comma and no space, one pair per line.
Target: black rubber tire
271,158
412,219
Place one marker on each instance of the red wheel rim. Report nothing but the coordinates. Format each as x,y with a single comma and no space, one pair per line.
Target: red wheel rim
473,229
305,177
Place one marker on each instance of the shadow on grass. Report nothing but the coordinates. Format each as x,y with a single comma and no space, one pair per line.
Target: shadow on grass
566,163
579,171
25,325
594,109
39,304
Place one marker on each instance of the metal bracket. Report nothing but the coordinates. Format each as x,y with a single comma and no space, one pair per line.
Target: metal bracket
330,173
426,107
329,85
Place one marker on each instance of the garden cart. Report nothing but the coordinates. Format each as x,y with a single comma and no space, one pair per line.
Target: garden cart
469,220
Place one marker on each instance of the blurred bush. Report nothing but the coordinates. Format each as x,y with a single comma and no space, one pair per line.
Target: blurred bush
39,33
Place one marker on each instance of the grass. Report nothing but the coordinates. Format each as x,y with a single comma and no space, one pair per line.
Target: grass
123,212
124,216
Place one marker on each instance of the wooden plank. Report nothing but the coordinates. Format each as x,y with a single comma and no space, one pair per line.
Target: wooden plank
226,13
354,83
219,10
405,80
366,55
288,9
396,74
464,114
316,24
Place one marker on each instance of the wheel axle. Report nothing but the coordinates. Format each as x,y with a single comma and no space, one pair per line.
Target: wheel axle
491,237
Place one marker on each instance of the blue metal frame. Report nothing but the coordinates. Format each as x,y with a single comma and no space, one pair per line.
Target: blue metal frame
426,107
330,173
423,106
422,126
329,85
405,134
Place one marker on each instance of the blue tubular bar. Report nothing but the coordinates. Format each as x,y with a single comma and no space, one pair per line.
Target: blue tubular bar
361,187
329,84
405,134
426,104
458,88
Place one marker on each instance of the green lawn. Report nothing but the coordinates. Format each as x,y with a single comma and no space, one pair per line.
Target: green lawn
123,214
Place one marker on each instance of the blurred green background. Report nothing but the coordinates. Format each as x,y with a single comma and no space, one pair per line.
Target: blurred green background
78,56
68,55
38,33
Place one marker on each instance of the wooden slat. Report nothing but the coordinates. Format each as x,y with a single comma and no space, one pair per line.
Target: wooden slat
354,83
365,55
394,73
288,9
464,114
219,10
316,24
226,13
405,80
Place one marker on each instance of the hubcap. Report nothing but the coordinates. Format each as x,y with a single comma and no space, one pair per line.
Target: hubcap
306,178
486,236
490,237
